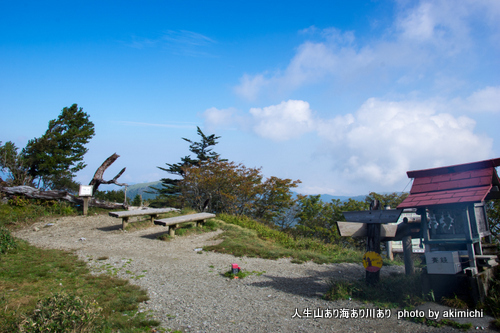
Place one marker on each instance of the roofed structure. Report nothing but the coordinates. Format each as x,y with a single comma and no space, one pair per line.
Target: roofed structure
470,182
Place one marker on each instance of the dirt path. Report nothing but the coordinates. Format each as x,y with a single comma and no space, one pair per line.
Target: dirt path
188,292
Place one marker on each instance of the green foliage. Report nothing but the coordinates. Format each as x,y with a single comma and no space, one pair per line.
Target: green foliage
7,241
317,219
169,192
12,163
492,302
137,200
235,189
55,157
111,196
20,210
392,199
274,199
63,313
493,212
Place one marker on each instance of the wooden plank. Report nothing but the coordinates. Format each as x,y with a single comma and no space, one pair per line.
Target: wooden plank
356,229
407,252
374,216
139,212
184,218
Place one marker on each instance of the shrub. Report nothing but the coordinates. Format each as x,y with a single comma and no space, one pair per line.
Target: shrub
7,241
62,313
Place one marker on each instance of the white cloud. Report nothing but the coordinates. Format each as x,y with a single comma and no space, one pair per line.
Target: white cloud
439,34
177,41
283,121
223,118
250,86
484,100
383,140
379,142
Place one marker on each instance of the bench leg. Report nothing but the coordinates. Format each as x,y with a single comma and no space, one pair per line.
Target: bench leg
171,230
153,218
124,222
198,223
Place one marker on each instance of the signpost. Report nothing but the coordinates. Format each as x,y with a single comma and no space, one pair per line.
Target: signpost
372,261
373,220
85,193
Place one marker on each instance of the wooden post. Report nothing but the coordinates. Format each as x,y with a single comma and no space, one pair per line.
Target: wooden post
373,244
388,247
407,252
171,231
388,244
124,222
85,205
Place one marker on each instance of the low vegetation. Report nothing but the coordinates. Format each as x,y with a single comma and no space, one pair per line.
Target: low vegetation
243,236
393,291
61,286
20,212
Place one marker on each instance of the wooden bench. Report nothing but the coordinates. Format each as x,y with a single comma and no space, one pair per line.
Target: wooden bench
173,222
152,212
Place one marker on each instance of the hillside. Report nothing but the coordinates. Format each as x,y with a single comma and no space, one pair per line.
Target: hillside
135,189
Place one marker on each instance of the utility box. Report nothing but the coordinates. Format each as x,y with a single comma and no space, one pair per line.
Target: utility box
443,262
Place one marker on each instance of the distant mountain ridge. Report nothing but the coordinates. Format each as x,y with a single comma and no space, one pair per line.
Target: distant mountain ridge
133,190
342,198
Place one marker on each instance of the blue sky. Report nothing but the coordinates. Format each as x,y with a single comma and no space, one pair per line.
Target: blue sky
344,95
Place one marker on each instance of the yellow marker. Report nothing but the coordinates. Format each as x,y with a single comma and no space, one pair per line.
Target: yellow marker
372,261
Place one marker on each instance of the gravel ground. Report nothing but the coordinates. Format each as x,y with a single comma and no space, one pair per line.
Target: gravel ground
188,292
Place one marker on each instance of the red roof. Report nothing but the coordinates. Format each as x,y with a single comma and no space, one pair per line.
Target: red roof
471,182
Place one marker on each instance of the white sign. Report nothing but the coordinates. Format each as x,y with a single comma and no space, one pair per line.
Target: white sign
85,190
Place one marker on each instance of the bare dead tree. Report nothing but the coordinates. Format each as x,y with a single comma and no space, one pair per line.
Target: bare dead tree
99,174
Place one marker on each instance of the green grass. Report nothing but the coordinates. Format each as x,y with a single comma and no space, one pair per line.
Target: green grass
21,212
398,290
242,274
243,236
29,274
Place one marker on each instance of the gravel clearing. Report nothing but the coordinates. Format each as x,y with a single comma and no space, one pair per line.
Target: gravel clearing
188,292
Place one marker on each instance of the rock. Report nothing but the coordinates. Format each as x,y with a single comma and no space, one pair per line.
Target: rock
35,229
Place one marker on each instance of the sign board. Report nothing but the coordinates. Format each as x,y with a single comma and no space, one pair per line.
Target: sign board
443,262
356,229
85,191
374,216
372,261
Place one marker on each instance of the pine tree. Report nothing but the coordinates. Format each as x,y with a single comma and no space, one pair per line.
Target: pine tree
169,192
55,157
